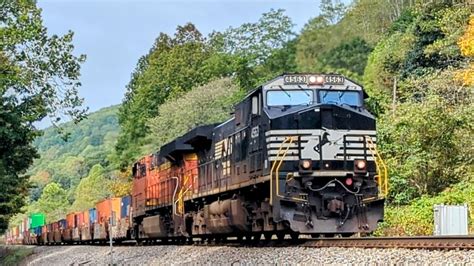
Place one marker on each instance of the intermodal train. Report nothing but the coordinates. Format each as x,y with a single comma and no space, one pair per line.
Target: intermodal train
298,156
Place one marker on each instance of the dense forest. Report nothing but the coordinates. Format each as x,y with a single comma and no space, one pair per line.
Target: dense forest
415,59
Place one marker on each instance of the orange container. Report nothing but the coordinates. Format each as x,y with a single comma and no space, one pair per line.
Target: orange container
86,218
70,222
79,219
106,208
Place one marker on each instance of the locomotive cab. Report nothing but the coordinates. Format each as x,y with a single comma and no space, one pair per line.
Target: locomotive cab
322,161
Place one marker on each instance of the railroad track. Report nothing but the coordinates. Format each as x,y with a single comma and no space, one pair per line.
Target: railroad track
419,242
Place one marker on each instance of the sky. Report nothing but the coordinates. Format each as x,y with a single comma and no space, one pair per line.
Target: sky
115,33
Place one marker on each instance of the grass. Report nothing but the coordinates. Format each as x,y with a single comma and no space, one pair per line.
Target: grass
14,255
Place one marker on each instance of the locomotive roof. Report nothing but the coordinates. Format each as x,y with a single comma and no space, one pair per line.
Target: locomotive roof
302,73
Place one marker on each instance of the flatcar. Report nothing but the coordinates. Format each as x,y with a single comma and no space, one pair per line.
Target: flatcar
298,156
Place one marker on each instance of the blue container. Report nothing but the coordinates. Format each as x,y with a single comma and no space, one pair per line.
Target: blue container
92,216
37,231
63,223
125,207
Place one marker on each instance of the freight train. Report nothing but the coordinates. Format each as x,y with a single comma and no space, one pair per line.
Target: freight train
298,156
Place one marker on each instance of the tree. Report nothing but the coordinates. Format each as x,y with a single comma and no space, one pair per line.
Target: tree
257,48
91,189
173,66
423,131
333,11
53,202
38,79
466,44
186,60
207,104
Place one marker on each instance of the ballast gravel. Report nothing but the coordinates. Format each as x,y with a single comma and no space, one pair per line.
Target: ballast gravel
226,255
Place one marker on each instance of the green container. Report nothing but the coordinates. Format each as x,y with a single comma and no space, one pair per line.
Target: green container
37,219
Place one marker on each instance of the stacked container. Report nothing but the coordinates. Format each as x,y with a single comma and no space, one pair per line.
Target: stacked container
120,229
87,228
107,209
44,234
93,216
36,222
108,212
57,231
78,224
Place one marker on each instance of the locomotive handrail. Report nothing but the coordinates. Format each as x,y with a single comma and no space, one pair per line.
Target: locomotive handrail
382,170
276,167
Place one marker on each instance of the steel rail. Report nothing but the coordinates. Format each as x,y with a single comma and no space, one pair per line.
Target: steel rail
416,242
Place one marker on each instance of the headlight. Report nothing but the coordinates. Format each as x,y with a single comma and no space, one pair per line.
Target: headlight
316,80
360,166
305,164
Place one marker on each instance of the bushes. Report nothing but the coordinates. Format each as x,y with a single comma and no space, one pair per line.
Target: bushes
426,140
417,217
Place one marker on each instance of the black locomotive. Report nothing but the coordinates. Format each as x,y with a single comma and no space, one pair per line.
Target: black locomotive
298,156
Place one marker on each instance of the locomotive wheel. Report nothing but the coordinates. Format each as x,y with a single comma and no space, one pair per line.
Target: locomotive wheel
294,236
268,236
280,236
257,237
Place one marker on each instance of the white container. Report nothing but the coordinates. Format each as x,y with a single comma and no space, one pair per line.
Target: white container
450,220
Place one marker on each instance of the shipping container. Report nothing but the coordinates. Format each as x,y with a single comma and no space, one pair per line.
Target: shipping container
125,207
70,221
107,209
79,219
37,219
86,218
62,224
26,224
92,216
38,230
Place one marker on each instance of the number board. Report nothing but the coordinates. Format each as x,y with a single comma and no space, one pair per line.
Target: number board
295,79
334,79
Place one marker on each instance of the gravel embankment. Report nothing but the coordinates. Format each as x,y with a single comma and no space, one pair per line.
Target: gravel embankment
191,255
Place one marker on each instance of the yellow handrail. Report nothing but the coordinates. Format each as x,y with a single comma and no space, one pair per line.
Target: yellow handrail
274,165
382,171
182,192
276,168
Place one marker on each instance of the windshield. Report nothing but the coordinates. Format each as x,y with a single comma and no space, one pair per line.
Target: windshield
289,97
351,98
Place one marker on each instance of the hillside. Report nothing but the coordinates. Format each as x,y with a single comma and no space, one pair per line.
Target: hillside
65,162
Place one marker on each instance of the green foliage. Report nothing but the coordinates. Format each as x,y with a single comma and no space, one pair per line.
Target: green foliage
91,189
420,43
425,139
417,218
38,78
206,104
15,255
253,52
90,142
53,203
172,67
